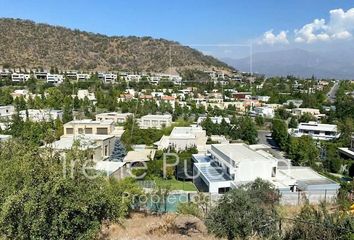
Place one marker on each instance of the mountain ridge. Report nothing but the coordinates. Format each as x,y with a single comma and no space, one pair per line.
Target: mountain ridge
25,43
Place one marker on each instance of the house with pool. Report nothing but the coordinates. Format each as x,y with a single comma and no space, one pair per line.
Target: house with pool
227,166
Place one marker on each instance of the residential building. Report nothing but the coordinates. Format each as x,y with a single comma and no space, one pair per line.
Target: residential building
295,102
266,112
82,77
6,112
4,138
83,93
41,75
39,115
226,165
88,126
155,121
107,77
312,111
55,78
20,93
113,116
348,152
20,77
316,131
182,138
263,98
215,120
100,146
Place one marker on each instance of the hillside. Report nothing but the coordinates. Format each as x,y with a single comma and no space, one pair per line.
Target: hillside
27,44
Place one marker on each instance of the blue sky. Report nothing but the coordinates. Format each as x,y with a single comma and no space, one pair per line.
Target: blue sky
187,21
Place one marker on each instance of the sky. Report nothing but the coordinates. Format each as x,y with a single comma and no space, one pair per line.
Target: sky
224,28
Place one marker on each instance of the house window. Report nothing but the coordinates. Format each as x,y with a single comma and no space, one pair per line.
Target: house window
81,130
106,150
88,130
103,131
69,130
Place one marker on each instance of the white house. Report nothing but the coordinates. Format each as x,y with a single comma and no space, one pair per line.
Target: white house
155,121
38,115
6,112
215,120
182,138
312,111
20,77
266,112
100,146
88,126
4,138
228,164
113,116
316,131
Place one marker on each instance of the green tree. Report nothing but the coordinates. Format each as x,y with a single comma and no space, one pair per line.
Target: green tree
280,133
240,215
293,123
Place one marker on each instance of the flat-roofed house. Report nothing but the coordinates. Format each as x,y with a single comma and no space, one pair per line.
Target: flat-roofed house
107,77
182,138
88,126
82,76
100,146
39,115
155,121
317,131
113,116
312,111
6,112
348,152
20,77
225,165
55,78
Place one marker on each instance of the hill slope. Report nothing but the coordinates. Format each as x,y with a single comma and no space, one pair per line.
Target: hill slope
24,43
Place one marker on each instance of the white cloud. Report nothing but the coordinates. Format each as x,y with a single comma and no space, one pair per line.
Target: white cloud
270,38
339,26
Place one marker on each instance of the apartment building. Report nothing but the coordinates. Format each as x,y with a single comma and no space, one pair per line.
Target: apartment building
55,78
88,126
113,116
316,131
182,138
20,77
155,121
107,77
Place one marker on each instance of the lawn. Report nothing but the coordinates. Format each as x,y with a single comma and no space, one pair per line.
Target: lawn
176,185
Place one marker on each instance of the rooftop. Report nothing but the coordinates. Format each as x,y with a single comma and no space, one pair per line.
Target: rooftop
90,121
108,166
317,126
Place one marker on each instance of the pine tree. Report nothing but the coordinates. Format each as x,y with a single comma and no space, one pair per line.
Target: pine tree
119,152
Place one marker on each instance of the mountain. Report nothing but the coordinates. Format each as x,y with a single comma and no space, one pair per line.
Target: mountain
27,44
299,62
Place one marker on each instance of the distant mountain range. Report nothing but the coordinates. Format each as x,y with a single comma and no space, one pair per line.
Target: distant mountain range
299,62
27,44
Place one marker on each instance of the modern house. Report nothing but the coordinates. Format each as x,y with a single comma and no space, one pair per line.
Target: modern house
227,166
312,111
348,152
155,121
215,120
113,116
100,146
82,76
266,112
88,126
316,131
182,138
6,112
39,115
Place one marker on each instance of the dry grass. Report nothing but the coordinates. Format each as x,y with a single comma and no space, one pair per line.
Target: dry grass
150,227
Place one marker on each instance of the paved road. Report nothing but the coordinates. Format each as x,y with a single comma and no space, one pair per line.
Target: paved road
265,137
331,95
